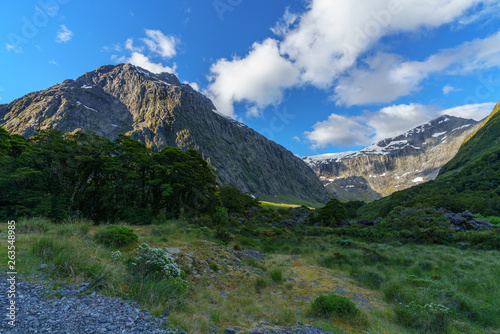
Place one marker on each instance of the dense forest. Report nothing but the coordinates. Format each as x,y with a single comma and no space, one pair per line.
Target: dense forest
82,174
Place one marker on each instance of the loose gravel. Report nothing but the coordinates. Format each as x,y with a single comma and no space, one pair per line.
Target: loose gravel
74,310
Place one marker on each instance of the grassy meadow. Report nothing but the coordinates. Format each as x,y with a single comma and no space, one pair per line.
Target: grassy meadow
396,286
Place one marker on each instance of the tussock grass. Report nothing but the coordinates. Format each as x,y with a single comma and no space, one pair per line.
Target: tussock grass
31,225
427,288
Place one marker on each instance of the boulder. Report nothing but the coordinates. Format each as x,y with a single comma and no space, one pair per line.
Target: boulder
481,223
288,223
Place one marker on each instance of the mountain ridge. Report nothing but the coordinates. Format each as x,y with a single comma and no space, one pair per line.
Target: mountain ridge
160,111
393,164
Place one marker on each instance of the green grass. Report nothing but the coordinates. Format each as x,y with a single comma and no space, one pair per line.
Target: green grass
422,287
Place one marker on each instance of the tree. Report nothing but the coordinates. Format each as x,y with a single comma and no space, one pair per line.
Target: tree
332,213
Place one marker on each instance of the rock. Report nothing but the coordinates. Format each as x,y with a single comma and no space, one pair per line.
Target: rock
467,215
42,311
481,223
42,266
230,331
288,223
457,219
256,331
369,174
365,222
301,221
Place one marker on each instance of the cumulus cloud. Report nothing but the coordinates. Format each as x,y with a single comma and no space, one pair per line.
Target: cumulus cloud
324,46
64,34
138,59
350,131
258,79
339,130
159,43
156,48
394,120
387,77
475,111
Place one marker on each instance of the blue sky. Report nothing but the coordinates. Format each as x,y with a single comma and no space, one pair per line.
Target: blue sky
316,76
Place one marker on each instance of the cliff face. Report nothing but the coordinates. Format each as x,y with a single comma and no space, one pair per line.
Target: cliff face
393,164
160,111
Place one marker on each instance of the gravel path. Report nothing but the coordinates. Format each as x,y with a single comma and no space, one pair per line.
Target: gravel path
69,310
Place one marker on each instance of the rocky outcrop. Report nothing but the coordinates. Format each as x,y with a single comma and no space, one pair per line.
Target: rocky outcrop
393,164
160,111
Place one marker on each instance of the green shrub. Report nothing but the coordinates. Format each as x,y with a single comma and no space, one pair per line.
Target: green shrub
428,318
236,201
154,262
260,284
255,264
331,214
333,305
214,267
222,235
276,275
220,218
116,236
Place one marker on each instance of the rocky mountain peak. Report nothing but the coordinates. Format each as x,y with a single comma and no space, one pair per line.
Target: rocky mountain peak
160,111
395,163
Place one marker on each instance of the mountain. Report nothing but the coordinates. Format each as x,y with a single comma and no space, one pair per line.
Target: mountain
159,110
470,181
393,164
484,141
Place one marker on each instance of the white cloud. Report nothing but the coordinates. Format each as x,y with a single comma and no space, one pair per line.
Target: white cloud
160,44
388,77
394,120
143,61
157,48
339,130
193,85
385,123
474,111
64,34
449,89
325,44
282,27
53,62
258,79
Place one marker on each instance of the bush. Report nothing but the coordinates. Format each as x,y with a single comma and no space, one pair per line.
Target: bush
429,318
333,305
116,236
236,201
260,284
276,275
220,218
154,262
331,214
